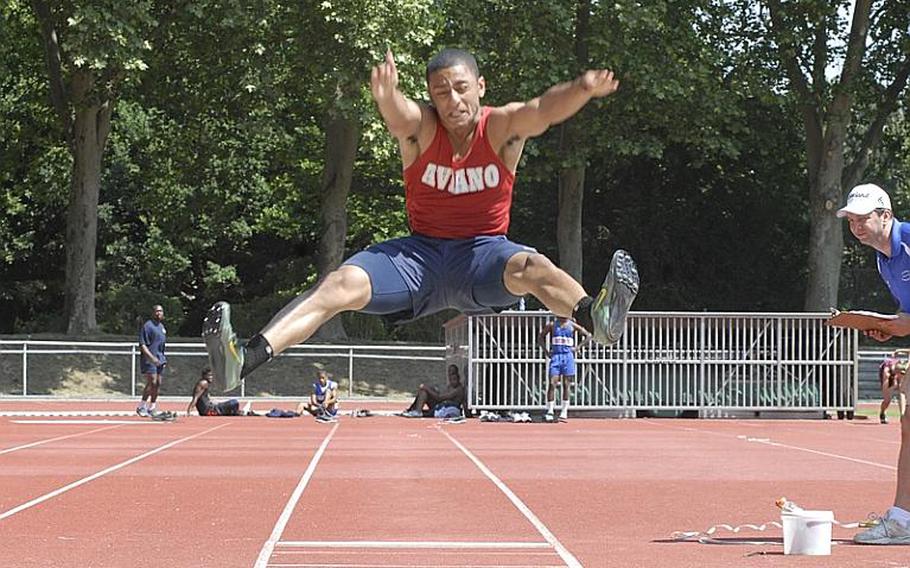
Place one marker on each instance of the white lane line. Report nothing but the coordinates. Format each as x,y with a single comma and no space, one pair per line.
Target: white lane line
58,438
46,413
310,553
548,536
83,421
434,565
768,442
101,473
266,553
409,544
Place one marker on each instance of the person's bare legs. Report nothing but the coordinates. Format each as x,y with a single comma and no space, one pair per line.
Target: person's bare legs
551,388
425,398
534,273
345,289
886,402
902,494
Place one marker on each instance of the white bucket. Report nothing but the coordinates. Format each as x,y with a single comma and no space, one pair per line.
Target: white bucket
807,532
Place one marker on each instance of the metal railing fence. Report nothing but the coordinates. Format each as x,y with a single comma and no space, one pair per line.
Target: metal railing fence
29,367
708,362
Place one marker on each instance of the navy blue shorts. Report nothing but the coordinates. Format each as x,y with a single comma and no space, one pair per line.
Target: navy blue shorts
149,369
417,276
562,364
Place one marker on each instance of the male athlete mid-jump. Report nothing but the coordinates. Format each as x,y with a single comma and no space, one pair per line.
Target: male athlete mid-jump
459,159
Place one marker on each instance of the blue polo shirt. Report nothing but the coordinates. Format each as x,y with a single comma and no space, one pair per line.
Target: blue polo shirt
895,270
154,336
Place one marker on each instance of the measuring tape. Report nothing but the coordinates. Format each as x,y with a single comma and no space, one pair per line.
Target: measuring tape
707,536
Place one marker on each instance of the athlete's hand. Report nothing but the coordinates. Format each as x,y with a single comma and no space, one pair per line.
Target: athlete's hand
598,83
384,78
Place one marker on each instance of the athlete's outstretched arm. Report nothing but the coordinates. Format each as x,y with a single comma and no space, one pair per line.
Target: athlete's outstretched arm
559,103
402,115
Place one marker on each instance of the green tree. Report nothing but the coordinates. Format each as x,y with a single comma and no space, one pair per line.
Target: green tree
91,49
870,52
332,46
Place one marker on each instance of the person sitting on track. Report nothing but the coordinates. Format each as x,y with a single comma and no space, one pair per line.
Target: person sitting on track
446,403
889,377
459,161
323,403
206,407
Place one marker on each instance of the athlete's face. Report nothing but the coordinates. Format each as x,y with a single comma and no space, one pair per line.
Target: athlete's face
322,378
454,379
869,229
456,93
158,313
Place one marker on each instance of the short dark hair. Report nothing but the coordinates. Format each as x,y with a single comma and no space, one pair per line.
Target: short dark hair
450,57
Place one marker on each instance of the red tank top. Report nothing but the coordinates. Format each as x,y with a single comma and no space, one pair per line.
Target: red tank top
458,199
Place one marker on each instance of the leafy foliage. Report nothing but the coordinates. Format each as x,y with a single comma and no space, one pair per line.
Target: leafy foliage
211,179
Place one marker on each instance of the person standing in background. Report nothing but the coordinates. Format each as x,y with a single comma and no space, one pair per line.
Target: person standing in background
152,338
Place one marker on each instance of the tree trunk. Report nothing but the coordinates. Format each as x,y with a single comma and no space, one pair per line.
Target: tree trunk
572,175
568,224
91,126
826,237
342,138
826,241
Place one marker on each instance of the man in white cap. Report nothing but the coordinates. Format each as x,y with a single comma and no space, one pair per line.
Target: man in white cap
868,210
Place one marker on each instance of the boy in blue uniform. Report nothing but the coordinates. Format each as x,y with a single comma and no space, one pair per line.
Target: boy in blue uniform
323,403
562,360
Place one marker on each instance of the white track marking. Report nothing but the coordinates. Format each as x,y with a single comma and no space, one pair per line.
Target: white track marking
561,550
263,559
310,553
410,544
434,565
46,413
768,442
58,438
101,473
83,421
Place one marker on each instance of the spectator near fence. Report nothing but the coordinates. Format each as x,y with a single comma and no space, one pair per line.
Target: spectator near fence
446,402
323,402
152,338
889,377
561,354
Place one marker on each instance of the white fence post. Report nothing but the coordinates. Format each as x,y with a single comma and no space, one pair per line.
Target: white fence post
24,368
350,373
133,371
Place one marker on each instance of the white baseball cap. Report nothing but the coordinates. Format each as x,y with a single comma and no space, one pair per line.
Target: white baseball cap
864,199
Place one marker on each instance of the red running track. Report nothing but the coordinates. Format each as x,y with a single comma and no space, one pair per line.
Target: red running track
386,491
